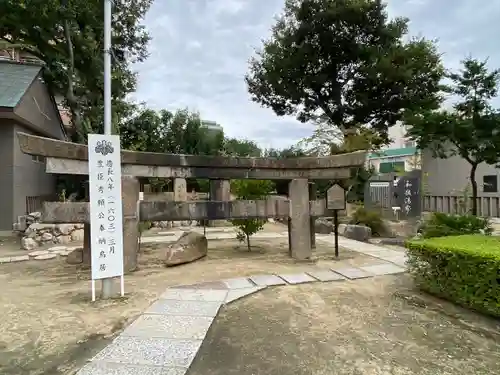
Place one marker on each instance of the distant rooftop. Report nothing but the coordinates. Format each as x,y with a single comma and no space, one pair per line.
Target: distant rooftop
211,125
15,79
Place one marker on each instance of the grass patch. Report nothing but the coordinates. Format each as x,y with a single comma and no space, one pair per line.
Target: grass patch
463,269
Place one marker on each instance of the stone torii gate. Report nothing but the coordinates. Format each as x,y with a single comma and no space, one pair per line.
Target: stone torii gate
71,158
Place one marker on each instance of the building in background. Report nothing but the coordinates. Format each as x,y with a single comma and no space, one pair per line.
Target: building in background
211,126
400,155
26,105
443,177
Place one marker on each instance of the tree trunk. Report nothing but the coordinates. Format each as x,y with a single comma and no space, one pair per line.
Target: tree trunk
474,189
248,242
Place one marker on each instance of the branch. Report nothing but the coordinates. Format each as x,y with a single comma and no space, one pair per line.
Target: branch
70,95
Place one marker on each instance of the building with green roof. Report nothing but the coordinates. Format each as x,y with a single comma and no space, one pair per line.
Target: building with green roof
395,159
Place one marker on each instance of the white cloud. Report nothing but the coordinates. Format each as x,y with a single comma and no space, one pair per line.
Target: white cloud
200,50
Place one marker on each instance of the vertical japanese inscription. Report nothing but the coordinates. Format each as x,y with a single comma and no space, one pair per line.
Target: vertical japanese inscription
408,196
105,206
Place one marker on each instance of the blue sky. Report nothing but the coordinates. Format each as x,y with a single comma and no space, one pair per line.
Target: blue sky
200,48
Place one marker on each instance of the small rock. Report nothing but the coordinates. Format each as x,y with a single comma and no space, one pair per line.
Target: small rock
358,232
323,227
35,216
64,229
28,243
75,256
47,237
63,239
41,227
77,235
342,228
46,256
164,224
38,253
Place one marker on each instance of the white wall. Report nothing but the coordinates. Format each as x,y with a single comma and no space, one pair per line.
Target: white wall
397,134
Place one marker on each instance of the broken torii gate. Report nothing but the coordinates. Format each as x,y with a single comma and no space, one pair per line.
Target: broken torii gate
72,158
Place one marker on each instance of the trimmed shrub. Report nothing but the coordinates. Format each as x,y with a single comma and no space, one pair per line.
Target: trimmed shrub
371,219
440,225
462,269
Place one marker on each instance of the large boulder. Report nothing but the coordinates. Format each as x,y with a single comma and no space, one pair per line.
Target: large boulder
189,247
358,232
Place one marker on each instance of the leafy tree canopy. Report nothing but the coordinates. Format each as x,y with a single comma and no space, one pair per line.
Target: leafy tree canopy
241,147
67,35
179,132
471,129
344,62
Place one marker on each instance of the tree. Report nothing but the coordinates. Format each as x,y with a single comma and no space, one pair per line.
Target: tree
168,132
472,129
241,147
249,190
67,35
281,186
346,63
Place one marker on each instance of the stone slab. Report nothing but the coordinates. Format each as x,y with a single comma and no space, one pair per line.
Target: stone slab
45,256
150,351
326,275
173,371
20,258
38,252
238,283
383,269
381,253
298,278
186,308
172,327
204,285
59,248
106,368
267,280
208,295
5,260
236,294
352,273
399,260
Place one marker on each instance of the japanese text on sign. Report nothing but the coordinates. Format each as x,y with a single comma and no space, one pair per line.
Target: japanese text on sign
105,206
407,196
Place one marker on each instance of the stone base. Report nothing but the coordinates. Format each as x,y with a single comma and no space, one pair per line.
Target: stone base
219,223
38,234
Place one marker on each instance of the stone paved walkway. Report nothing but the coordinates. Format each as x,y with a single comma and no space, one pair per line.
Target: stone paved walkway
164,340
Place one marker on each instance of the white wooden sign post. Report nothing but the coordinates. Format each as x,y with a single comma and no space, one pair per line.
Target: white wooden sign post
106,226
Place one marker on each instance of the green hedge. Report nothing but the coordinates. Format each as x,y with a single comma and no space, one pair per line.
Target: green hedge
463,269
